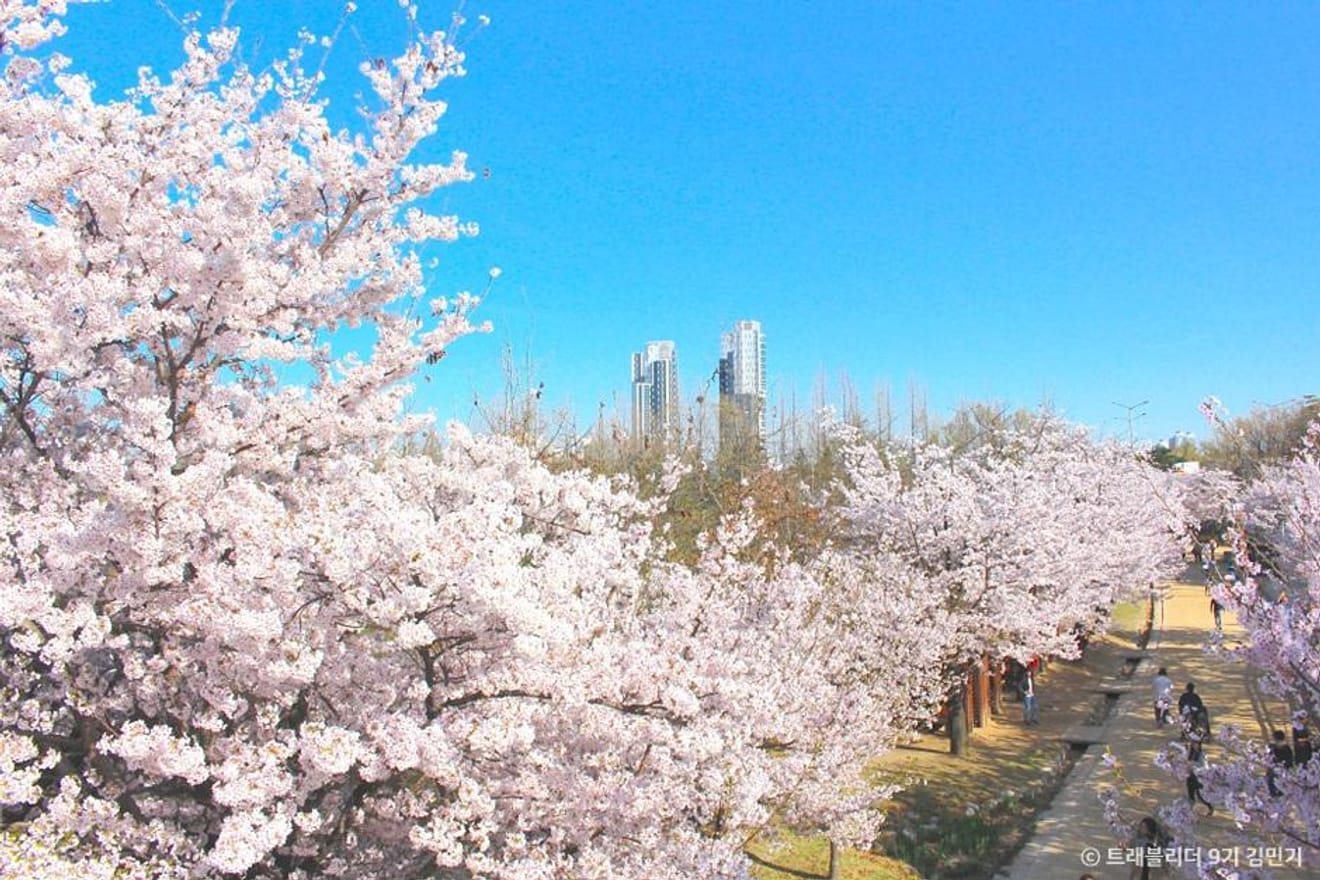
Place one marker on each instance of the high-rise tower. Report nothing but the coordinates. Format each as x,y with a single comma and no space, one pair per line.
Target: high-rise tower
742,383
654,391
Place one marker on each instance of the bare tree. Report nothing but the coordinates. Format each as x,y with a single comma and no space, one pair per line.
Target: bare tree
1266,435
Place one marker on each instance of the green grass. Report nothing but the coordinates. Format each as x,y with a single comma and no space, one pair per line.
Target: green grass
966,817
796,857
962,818
940,841
1129,617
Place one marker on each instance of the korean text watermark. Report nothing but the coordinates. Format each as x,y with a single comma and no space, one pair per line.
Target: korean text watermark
1233,856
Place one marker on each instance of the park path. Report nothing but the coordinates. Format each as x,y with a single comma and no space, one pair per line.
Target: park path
1073,828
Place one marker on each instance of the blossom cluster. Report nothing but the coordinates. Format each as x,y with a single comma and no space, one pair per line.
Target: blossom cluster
1023,541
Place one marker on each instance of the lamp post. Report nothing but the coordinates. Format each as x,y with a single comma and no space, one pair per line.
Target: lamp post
1130,407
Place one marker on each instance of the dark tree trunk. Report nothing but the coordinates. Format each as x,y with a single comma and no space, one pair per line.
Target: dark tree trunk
836,866
958,743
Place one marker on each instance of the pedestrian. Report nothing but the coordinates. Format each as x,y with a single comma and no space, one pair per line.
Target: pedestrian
1285,610
1195,733
1301,738
1194,794
1162,687
1081,636
1190,703
1030,705
1150,842
1218,611
1281,758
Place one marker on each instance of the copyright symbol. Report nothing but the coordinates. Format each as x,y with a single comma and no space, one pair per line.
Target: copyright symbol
1090,857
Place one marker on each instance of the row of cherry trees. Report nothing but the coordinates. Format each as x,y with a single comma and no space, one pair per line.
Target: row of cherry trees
1273,525
1026,539
244,635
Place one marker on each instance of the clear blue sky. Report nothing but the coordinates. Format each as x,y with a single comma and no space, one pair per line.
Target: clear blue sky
1089,203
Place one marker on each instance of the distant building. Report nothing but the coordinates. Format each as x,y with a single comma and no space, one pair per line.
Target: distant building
654,391
742,383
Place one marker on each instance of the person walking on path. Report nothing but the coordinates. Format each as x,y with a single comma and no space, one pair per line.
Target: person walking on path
1030,705
1301,738
1195,732
1194,792
1162,687
1150,843
1281,758
1189,704
1218,611
1156,601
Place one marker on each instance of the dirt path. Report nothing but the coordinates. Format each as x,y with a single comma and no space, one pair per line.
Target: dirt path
1025,804
1072,835
961,817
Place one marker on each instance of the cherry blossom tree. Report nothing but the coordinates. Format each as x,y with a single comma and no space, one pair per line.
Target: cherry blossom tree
1023,536
1275,540
246,634
1274,531
838,667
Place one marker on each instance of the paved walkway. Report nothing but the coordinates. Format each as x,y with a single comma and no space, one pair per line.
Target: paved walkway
1074,824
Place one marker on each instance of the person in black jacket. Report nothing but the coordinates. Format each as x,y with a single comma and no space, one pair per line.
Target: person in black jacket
1195,732
1190,703
1281,758
1301,738
1194,792
1151,841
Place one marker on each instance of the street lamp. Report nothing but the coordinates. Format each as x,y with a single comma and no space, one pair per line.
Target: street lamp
1131,418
